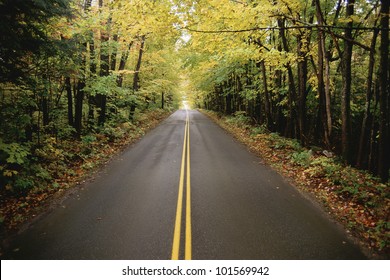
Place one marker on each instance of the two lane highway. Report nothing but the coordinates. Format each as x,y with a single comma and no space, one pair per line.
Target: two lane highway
187,190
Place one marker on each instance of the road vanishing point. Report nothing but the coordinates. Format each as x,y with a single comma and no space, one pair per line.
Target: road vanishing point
187,190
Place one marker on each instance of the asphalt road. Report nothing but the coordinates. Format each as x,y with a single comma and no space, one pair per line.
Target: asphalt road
144,205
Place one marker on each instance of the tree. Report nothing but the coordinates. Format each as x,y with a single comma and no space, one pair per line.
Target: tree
347,80
384,96
57,55
23,33
312,66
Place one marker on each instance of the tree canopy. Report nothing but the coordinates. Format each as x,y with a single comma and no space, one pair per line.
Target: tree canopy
78,71
316,71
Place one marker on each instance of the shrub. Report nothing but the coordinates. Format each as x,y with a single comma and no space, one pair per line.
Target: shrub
278,142
239,118
112,133
259,130
87,142
303,158
14,161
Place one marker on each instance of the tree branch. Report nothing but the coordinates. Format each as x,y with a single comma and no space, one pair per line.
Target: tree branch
326,28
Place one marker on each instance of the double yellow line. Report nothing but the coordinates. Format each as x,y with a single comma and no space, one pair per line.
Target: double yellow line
185,162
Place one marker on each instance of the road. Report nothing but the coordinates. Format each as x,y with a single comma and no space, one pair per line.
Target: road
187,190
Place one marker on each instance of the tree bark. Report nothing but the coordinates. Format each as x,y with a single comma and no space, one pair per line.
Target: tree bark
290,128
364,140
104,71
384,150
122,64
79,97
114,52
267,103
78,116
136,79
68,88
45,110
324,103
228,108
302,81
327,56
92,70
321,92
346,90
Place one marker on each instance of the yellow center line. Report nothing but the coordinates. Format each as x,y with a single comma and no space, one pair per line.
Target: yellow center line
177,230
188,247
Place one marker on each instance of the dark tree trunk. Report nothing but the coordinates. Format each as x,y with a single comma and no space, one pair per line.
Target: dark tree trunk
267,102
228,110
364,140
162,100
323,120
104,71
122,64
136,78
291,83
45,110
346,91
238,89
29,127
114,52
68,88
302,81
92,69
384,149
78,116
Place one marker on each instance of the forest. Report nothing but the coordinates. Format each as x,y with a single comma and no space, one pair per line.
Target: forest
316,71
72,84
79,78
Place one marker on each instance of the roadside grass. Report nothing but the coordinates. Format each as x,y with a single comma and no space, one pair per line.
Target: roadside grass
359,201
61,164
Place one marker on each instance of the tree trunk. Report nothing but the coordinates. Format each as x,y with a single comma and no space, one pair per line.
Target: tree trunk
302,81
78,116
79,89
136,76
104,71
327,90
238,89
321,92
268,109
228,109
114,52
324,104
291,83
122,64
45,110
363,142
384,150
346,90
373,150
68,87
92,70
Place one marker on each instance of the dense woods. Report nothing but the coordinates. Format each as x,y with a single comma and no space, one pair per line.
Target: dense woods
314,70
77,73
83,71
306,82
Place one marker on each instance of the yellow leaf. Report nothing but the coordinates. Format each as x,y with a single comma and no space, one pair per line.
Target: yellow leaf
10,173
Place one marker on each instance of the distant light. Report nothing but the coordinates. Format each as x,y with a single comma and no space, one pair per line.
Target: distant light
186,106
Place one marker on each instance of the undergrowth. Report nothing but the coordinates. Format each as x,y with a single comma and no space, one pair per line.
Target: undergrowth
30,174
